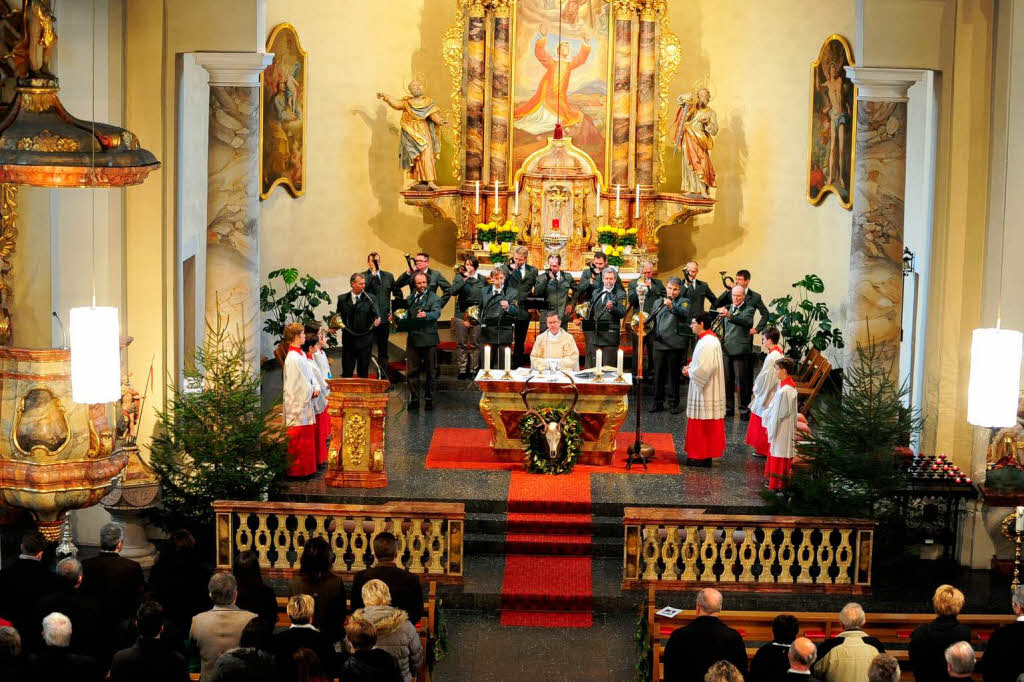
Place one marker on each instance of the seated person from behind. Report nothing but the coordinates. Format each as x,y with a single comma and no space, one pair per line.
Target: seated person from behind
405,587
555,344
367,663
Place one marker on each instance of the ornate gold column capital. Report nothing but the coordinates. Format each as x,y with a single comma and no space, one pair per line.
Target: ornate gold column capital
477,8
652,10
624,9
502,8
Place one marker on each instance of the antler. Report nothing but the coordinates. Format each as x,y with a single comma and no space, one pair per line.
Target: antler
575,398
530,410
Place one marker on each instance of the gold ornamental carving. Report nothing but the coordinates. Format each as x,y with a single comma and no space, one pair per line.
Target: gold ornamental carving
452,55
501,8
37,100
41,427
624,9
670,51
377,463
356,442
650,10
8,238
47,142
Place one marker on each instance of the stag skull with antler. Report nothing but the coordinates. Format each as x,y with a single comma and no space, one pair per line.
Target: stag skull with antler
553,430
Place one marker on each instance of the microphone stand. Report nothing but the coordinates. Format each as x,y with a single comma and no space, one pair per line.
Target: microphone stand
639,451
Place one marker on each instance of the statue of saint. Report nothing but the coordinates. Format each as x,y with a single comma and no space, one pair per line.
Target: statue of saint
696,126
419,148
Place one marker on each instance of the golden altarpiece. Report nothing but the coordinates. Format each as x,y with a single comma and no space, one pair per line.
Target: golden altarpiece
598,70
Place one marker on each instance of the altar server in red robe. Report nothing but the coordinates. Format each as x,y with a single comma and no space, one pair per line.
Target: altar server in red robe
323,421
764,389
705,399
780,422
300,388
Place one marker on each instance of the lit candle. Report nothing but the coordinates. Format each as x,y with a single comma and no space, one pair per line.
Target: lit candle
487,358
495,195
517,198
599,200
478,197
1020,519
599,359
618,365
618,199
508,358
636,210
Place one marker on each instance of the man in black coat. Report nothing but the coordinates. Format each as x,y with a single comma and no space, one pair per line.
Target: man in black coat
23,584
669,319
151,658
522,278
406,590
694,648
69,599
467,287
115,582
424,309
435,280
802,655
55,661
590,278
743,280
1003,661
607,308
379,286
361,318
498,312
929,642
771,661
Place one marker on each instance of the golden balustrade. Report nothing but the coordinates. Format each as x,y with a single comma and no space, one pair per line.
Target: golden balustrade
429,535
687,549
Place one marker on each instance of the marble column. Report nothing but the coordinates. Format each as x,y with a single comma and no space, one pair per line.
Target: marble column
233,206
875,310
646,93
500,92
476,38
623,12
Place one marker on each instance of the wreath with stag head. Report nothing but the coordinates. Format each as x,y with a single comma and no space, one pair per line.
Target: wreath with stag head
552,435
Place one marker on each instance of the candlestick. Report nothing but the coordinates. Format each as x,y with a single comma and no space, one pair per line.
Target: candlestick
599,200
618,200
517,198
508,364
599,358
618,364
636,209
478,197
495,194
487,358
1020,519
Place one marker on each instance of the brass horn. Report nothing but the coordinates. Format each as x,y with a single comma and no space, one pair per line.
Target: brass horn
727,282
399,316
472,314
634,323
336,323
582,311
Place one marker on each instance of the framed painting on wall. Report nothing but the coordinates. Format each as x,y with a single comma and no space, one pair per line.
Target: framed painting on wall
283,115
831,148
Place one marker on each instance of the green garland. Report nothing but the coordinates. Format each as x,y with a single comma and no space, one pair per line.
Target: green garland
642,669
531,430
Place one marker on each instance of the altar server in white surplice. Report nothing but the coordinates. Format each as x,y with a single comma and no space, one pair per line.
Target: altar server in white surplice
705,399
780,423
555,344
323,421
764,388
300,388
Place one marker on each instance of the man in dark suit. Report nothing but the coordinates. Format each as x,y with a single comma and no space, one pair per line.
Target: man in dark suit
55,661
522,278
69,599
743,280
115,582
607,308
380,284
557,288
303,635
406,590
694,648
668,320
696,292
498,312
738,349
467,288
151,658
435,280
590,278
361,318
1003,661
23,584
655,293
771,661
421,347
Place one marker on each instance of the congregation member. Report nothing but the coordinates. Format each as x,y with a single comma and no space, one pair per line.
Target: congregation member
555,344
592,278
467,288
151,658
254,594
55,662
848,656
929,641
705,399
215,631
669,326
361,317
435,280
771,661
692,649
522,278
379,286
557,288
421,346
302,634
395,633
743,280
316,579
115,582
655,291
245,664
367,663
1003,661
765,384
320,354
406,589
69,598
883,668
780,425
12,664
498,312
696,292
321,420
607,308
23,584
299,390
738,346
960,662
179,582
723,671
801,657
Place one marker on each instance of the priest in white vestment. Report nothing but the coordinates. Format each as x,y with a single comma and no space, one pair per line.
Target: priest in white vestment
780,423
764,388
555,344
705,399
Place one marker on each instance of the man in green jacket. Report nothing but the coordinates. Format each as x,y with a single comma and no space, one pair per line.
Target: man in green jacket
522,278
743,280
738,348
557,288
421,346
498,312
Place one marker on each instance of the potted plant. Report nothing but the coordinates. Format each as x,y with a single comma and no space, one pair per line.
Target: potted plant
803,321
301,296
627,239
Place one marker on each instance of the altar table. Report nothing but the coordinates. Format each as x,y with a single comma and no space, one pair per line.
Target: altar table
602,407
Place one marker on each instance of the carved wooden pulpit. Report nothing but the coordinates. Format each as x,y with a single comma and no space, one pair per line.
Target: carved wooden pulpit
357,408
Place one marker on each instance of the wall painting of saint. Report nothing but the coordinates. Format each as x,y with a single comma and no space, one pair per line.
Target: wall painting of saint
283,115
833,124
560,72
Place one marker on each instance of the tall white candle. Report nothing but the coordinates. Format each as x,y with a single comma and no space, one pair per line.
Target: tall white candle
496,194
598,357
618,364
508,358
636,210
618,199
599,200
487,358
478,197
517,198
1020,519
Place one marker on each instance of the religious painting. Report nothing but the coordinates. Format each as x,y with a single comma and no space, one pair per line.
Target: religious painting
560,74
833,124
283,115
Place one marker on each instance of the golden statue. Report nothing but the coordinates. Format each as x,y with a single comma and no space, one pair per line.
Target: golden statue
418,148
696,126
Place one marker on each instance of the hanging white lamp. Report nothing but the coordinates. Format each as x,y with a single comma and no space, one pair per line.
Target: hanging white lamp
95,355
994,387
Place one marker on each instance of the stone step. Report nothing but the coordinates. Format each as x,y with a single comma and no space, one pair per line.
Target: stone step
477,544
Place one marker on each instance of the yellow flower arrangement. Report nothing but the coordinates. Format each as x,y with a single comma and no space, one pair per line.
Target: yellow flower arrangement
506,247
621,232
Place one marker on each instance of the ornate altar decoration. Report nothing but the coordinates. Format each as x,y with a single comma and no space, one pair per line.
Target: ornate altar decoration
552,436
56,455
558,117
358,412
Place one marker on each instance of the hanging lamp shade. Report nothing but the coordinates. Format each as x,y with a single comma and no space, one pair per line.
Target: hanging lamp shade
41,144
994,387
95,356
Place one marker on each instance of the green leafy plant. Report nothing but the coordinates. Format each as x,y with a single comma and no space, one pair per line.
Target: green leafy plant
297,301
616,261
215,440
802,321
642,671
486,234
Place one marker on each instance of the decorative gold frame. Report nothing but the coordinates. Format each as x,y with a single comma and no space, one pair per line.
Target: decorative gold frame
852,151
453,45
284,181
17,422
8,240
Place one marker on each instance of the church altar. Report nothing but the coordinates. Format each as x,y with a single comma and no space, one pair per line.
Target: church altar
602,407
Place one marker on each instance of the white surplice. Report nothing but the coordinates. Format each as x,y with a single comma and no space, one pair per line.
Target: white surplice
324,364
561,347
780,421
299,381
319,402
705,399
765,383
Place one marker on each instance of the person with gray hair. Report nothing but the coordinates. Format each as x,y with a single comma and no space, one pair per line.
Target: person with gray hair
215,631
883,668
655,293
22,584
12,667
115,582
959,661
738,346
56,661
83,610
802,654
694,648
1003,660
847,657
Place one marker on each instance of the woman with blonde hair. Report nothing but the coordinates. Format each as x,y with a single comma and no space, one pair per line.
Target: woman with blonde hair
723,671
292,647
395,634
929,642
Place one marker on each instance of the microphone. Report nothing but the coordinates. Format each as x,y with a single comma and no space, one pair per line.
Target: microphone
62,330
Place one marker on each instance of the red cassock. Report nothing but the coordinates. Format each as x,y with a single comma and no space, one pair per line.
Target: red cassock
757,436
323,430
302,450
705,438
776,470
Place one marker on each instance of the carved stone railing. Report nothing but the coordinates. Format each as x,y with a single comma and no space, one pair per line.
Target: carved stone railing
686,549
429,535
